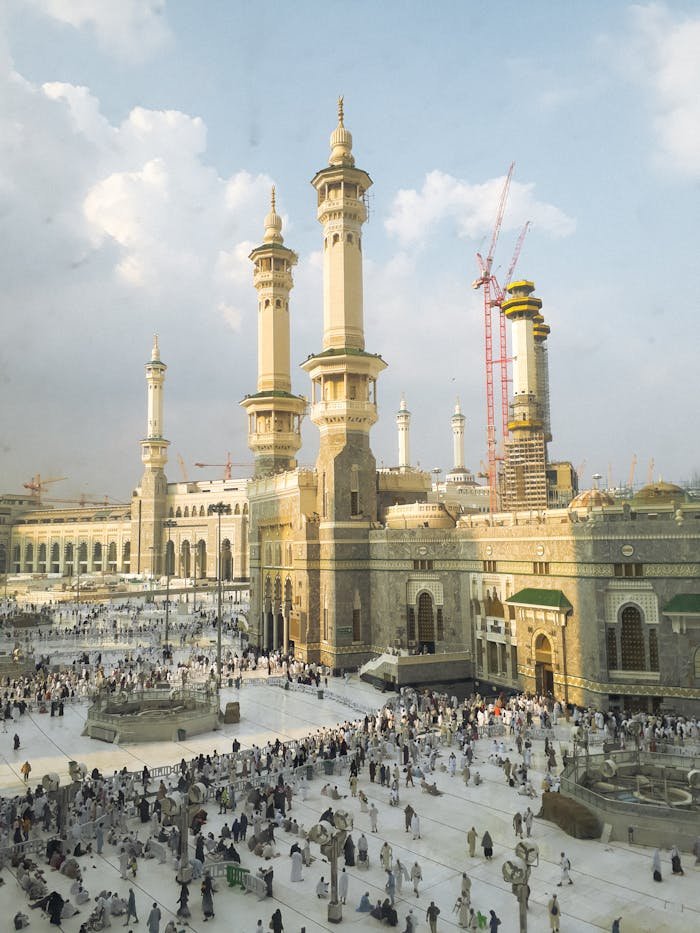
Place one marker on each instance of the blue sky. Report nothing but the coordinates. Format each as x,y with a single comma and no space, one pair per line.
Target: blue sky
138,142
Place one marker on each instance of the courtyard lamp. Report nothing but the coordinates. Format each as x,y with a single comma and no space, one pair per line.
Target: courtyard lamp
220,508
516,872
169,524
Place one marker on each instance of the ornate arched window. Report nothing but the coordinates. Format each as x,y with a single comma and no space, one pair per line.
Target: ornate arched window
653,650
633,654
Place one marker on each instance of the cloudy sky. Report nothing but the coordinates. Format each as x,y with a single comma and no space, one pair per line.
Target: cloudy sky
138,143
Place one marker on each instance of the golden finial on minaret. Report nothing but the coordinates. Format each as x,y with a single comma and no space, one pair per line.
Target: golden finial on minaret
341,141
155,352
273,222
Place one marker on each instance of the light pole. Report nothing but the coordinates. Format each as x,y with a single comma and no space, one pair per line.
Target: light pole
169,524
220,508
331,838
517,874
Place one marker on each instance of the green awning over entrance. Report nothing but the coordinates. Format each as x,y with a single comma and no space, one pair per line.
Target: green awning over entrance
683,604
540,599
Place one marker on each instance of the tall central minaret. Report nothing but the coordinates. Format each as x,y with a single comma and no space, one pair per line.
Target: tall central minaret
148,511
343,375
344,406
274,414
403,423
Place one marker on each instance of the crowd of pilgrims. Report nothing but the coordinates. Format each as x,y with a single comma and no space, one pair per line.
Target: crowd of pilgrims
129,814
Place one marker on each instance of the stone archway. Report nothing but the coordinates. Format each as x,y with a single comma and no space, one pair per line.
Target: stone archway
544,667
426,622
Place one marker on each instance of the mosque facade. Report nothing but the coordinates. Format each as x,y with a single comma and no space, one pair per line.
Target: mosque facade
596,601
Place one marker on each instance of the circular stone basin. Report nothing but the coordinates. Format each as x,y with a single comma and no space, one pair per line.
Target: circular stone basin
677,797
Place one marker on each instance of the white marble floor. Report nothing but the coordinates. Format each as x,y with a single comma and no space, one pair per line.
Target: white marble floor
609,881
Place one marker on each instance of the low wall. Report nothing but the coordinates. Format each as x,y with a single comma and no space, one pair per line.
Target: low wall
394,671
152,716
640,824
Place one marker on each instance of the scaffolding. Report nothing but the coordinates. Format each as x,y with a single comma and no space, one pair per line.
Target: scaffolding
525,473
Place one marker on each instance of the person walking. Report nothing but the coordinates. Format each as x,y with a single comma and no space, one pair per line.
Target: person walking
408,816
487,845
415,826
207,897
466,888
343,882
373,814
431,915
656,865
528,818
153,922
416,877
390,886
26,770
554,913
494,922
565,866
616,925
471,841
131,907
183,900
276,924
386,856
518,824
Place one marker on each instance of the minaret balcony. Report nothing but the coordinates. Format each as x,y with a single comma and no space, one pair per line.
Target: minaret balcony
344,410
280,441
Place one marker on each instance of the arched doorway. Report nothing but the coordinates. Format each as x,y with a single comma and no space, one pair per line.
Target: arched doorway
226,560
55,558
201,559
544,670
185,560
426,624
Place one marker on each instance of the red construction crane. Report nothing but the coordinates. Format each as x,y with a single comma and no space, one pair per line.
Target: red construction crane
226,466
36,484
493,298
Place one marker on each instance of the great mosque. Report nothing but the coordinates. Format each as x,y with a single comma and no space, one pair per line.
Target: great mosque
596,600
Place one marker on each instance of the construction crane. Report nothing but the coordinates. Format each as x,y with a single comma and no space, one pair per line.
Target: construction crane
650,472
83,500
633,467
183,468
36,485
493,298
226,466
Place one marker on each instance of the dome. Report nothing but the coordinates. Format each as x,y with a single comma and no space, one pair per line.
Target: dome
591,499
660,494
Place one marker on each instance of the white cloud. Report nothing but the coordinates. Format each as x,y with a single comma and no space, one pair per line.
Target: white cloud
132,29
469,208
661,54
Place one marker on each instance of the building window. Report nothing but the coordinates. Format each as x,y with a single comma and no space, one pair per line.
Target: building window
492,653
356,625
611,645
541,567
440,624
325,623
653,650
632,640
489,566
514,662
354,491
411,624
628,570
697,663
422,565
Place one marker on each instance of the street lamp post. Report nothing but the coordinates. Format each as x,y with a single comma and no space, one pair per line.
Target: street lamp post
517,874
169,524
220,508
331,838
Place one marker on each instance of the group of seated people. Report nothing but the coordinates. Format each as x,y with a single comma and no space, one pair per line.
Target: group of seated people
383,911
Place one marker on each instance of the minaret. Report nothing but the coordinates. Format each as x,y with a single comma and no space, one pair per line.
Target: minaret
403,423
525,459
458,421
344,406
540,332
274,414
147,545
343,375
